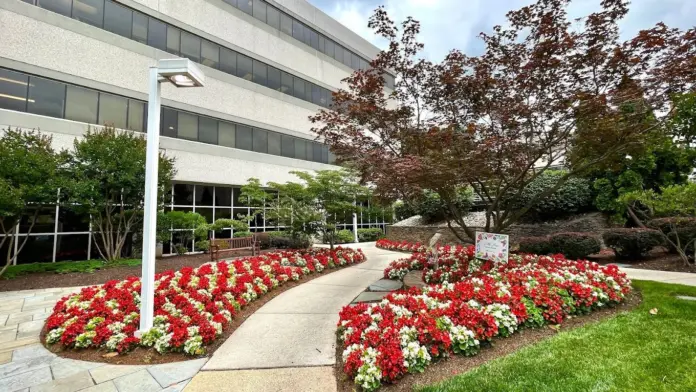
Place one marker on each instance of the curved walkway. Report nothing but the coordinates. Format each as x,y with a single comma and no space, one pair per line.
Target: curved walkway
289,344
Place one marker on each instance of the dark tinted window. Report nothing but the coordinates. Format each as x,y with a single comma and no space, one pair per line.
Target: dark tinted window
183,194
355,61
274,143
274,78
244,67
136,115
273,17
46,97
226,134
169,123
297,30
287,146
89,11
207,130
13,90
307,35
245,5
286,24
60,6
173,40
299,89
364,64
314,37
81,104
188,126
338,53
260,73
260,10
113,110
324,154
118,19
286,85
228,61
260,140
316,152
300,149
210,54
325,97
329,48
322,43
316,94
223,197
346,57
244,137
191,46
157,34
139,32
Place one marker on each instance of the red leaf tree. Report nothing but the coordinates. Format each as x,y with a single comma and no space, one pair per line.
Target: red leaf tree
546,91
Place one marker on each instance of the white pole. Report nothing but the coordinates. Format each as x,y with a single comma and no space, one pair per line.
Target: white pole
355,223
147,290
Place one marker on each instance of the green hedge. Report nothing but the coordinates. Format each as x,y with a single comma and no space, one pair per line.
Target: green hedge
64,267
632,243
369,235
682,228
575,245
535,245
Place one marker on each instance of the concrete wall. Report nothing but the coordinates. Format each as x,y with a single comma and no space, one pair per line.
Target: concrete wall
195,162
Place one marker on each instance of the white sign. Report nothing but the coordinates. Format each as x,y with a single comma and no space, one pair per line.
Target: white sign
492,246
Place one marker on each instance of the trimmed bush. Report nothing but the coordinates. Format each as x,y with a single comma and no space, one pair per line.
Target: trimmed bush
242,234
432,209
203,245
368,235
572,197
535,245
575,245
344,237
632,243
403,211
685,228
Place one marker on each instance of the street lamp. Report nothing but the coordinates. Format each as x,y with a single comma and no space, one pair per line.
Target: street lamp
181,73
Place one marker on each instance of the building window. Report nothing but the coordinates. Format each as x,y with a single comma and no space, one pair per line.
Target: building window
207,130
273,17
226,134
89,11
274,143
286,83
246,6
13,90
173,40
188,126
191,46
287,146
300,89
118,19
260,10
81,104
260,73
139,31
228,61
274,78
169,123
113,110
300,149
46,97
62,7
286,24
260,140
157,34
210,54
244,138
245,67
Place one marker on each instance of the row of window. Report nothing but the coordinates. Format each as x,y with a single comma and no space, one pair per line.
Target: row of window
278,19
140,27
32,94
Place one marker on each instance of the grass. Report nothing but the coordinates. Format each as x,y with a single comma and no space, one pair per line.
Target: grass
634,351
64,267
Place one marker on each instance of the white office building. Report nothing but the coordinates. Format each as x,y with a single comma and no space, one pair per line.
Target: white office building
269,65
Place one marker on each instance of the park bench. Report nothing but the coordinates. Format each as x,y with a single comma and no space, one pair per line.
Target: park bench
227,245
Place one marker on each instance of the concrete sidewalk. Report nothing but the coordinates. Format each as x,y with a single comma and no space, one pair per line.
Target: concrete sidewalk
290,342
684,278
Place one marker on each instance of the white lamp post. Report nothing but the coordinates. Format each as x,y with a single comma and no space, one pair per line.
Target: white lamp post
181,73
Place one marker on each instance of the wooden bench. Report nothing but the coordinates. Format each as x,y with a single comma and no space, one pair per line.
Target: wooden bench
227,245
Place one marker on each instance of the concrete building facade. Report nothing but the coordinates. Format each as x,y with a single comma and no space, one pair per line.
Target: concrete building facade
66,65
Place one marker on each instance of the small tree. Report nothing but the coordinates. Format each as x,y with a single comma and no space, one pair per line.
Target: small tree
188,226
31,173
108,167
676,203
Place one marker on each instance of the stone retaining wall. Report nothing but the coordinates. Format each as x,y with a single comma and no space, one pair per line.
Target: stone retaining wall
592,223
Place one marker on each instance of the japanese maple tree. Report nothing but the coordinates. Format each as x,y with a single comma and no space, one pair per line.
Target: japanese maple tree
546,91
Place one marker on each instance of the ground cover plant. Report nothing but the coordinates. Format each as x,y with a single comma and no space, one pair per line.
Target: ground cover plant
476,302
637,350
65,267
193,306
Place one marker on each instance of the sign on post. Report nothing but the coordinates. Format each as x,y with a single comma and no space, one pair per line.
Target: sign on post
492,246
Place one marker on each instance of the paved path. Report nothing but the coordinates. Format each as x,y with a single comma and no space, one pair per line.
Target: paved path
684,278
289,343
25,365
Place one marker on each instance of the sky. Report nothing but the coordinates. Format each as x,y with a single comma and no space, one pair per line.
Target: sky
448,24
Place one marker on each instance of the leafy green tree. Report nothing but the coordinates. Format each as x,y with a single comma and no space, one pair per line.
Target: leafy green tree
188,226
31,173
108,168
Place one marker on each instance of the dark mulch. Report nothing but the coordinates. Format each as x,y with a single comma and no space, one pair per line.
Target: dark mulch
45,280
499,347
142,355
658,259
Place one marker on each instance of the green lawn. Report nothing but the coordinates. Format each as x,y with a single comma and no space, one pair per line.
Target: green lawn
634,351
64,267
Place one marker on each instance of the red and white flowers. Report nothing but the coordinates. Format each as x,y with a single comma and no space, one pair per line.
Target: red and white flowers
410,329
403,246
193,306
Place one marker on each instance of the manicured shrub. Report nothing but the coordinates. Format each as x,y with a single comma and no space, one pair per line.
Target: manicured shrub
433,209
572,197
281,240
535,245
242,234
575,245
681,228
368,235
403,210
344,237
203,245
632,243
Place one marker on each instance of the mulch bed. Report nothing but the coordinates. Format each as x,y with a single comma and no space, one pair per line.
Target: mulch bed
499,347
148,356
659,259
46,280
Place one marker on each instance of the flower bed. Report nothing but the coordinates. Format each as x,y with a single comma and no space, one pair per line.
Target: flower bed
453,263
193,306
408,330
401,246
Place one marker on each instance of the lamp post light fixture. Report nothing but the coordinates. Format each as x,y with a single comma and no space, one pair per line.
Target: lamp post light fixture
181,73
